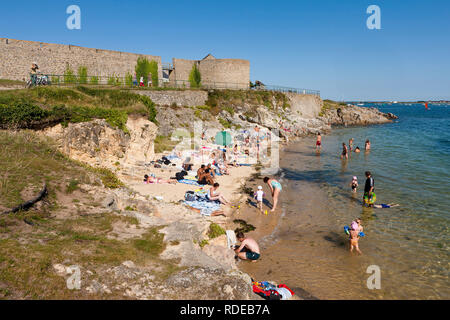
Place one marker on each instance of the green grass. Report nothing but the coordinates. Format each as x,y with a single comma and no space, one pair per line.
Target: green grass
329,105
28,160
27,264
227,100
163,144
51,105
215,231
72,186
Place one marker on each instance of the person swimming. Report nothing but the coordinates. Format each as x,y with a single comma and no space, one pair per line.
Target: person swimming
354,183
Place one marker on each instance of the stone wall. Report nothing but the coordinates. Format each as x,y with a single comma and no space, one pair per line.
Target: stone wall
16,57
218,73
190,98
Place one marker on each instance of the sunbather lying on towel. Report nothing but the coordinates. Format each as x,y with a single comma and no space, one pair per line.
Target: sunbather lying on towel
150,179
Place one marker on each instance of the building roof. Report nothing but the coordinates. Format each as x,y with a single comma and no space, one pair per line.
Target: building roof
209,57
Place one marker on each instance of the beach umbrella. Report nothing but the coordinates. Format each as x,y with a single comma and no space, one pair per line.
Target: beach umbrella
223,138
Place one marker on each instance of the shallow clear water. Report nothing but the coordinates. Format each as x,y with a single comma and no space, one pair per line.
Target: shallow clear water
410,162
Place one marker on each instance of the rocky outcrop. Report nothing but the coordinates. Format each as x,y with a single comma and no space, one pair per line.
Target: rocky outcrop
98,144
305,105
189,98
356,116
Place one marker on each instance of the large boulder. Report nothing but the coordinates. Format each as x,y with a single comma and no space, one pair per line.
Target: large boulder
97,143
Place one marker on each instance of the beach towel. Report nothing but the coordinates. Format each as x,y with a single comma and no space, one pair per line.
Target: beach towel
206,207
191,182
231,238
245,164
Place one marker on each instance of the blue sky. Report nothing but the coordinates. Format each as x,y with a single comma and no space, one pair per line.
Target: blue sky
323,45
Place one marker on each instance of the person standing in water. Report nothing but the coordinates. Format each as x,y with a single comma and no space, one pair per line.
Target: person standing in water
353,240
276,188
369,186
350,144
367,147
319,142
344,151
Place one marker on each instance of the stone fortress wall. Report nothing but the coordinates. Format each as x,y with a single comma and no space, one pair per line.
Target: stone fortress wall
232,73
16,57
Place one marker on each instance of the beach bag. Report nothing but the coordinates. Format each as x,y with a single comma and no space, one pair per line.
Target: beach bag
190,196
180,175
265,291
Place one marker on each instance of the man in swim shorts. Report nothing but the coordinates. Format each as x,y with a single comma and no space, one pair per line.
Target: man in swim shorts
249,249
319,142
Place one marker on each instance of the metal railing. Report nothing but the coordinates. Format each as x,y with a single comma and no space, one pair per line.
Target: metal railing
127,82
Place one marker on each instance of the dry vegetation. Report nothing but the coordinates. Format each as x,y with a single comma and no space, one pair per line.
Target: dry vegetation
69,227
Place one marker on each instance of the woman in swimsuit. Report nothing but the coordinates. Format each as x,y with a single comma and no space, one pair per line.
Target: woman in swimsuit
276,188
367,147
150,179
344,151
212,195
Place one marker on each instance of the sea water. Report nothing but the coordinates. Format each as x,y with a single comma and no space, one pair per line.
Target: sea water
410,163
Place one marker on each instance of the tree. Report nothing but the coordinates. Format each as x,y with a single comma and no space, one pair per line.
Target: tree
144,68
195,78
154,73
83,75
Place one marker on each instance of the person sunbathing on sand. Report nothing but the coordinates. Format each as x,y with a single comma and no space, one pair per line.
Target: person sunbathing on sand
213,195
248,250
150,179
205,178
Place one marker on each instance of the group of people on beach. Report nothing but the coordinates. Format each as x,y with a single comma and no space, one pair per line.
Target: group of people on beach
369,197
347,150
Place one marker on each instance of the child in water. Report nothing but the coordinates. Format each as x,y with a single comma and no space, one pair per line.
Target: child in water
354,183
259,196
354,238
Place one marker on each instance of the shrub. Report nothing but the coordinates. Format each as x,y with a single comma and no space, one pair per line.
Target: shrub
111,80
94,80
83,75
154,72
144,68
55,80
69,76
150,105
21,115
195,78
129,79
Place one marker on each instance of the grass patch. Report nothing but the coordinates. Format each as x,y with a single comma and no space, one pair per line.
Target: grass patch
163,143
245,227
27,263
72,186
215,231
47,106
